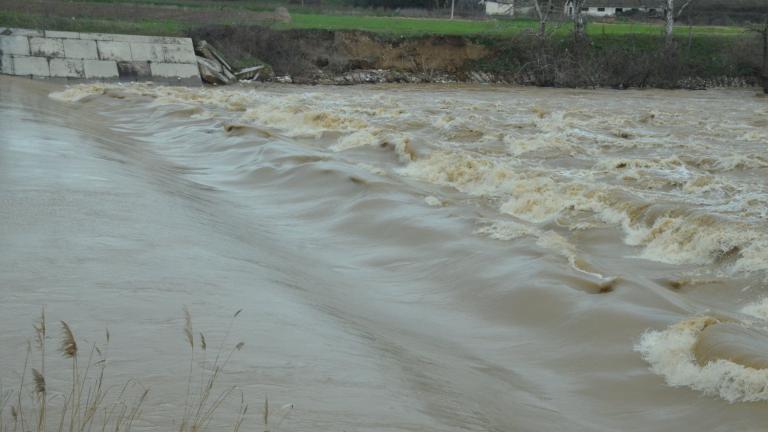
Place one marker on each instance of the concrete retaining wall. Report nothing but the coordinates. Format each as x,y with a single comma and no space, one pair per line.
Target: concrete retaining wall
97,56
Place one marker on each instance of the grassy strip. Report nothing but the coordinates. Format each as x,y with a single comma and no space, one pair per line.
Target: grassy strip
329,6
152,28
377,24
408,26
500,27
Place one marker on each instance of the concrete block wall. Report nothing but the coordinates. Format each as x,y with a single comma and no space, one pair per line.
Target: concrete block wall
97,56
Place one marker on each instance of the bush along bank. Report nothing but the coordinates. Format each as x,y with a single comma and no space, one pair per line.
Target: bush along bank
616,61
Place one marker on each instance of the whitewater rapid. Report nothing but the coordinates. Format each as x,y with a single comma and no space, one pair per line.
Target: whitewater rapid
423,257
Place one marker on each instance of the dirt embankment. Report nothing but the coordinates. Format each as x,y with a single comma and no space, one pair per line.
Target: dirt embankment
319,56
351,57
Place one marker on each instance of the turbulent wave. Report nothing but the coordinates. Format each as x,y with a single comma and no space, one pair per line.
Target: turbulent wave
682,198
717,356
668,233
675,184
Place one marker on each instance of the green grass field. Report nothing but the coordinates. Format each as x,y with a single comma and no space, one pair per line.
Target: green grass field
501,27
302,19
121,26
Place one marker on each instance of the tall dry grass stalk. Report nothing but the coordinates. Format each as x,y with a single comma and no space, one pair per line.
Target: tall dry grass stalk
281,414
202,402
84,407
69,350
5,397
89,405
40,387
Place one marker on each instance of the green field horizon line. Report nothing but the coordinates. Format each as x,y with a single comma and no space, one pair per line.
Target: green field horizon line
404,26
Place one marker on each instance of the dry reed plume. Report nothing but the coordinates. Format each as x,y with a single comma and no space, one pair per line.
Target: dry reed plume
89,405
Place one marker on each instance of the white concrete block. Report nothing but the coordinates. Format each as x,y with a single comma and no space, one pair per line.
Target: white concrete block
35,66
100,69
96,36
45,47
167,40
109,50
80,49
116,37
174,70
133,38
187,43
6,64
67,68
145,52
17,45
62,34
133,70
25,32
176,54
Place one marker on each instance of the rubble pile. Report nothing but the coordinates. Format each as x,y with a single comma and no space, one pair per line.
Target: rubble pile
214,68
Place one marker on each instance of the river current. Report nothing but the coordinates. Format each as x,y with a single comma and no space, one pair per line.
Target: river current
423,258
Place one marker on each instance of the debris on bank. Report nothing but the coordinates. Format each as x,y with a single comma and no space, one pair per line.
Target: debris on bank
216,70
346,57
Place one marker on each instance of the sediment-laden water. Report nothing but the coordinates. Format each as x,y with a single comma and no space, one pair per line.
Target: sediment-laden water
407,258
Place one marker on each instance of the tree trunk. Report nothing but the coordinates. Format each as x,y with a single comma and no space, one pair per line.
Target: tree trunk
765,59
543,14
765,51
669,14
453,2
581,25
579,22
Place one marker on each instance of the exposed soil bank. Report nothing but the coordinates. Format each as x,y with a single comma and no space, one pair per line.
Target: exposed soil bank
320,56
350,57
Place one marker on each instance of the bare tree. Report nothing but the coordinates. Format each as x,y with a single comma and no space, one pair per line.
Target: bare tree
670,15
579,22
762,30
543,11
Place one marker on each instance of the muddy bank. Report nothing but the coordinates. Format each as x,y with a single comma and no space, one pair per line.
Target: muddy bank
320,56
354,57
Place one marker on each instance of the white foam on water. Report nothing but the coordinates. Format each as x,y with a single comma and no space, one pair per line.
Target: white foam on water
758,309
506,230
78,93
433,201
675,236
676,199
670,353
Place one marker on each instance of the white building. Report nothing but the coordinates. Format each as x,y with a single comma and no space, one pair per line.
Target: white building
609,8
508,8
500,7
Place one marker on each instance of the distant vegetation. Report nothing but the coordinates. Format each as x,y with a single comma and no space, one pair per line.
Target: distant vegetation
122,18
618,52
703,12
501,27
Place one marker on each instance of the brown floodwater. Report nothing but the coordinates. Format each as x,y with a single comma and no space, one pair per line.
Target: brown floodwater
407,258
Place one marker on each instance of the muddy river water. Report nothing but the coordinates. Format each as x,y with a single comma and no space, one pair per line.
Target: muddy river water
409,258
